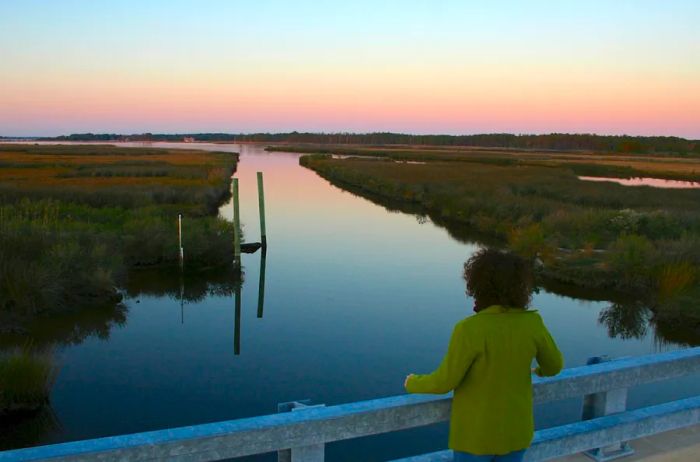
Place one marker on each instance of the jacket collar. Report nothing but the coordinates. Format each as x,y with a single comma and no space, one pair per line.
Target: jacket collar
498,309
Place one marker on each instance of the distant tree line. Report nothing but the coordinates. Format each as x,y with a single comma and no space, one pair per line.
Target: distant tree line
18,138
553,141
145,137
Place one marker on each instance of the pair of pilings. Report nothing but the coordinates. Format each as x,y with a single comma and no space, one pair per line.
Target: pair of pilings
236,223
237,219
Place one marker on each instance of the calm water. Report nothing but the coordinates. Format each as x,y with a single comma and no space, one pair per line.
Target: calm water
356,297
643,181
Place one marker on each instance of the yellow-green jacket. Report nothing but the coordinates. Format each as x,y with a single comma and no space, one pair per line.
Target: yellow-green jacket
488,365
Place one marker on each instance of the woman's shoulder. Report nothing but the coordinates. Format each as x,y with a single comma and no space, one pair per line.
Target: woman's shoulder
529,315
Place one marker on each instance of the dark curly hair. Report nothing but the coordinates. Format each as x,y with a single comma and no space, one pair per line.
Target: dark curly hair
495,277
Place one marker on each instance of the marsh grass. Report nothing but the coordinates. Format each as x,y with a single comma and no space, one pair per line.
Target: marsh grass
675,278
68,235
26,378
585,164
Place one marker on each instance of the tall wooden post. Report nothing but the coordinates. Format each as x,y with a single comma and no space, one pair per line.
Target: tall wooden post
261,206
236,225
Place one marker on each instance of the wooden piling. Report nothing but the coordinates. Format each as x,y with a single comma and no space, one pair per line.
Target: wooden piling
236,225
261,206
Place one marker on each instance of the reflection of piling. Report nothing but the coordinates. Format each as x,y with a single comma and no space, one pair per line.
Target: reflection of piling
237,323
236,225
182,297
261,205
179,237
261,282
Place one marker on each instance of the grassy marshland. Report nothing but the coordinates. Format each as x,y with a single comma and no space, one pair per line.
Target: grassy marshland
74,219
581,163
641,240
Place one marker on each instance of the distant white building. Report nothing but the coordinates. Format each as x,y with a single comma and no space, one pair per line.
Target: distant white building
188,139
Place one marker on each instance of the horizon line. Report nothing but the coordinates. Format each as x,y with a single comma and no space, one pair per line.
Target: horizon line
351,133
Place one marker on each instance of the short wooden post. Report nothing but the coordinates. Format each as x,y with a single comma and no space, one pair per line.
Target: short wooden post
236,225
602,404
261,206
312,453
261,281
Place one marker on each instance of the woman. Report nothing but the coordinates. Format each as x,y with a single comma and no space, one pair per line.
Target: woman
489,359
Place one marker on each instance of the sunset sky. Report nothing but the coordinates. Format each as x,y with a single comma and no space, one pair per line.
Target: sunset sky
608,67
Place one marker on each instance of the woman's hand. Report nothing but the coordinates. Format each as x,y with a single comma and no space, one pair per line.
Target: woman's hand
408,377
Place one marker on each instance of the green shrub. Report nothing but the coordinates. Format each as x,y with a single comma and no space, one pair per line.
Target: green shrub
528,241
633,257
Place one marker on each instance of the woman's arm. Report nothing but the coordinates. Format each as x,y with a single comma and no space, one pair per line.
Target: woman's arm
549,359
450,372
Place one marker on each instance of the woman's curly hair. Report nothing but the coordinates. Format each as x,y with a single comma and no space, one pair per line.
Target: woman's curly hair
495,277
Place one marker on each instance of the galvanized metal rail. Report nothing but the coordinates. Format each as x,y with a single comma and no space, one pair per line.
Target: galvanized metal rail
301,435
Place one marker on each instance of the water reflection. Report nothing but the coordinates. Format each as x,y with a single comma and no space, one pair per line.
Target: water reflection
186,286
67,328
261,282
634,319
28,429
237,303
237,324
626,320
643,181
